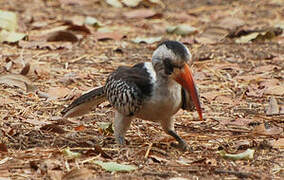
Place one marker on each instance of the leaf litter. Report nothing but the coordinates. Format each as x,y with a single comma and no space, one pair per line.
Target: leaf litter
238,83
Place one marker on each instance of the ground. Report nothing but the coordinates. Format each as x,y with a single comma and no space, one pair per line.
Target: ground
238,53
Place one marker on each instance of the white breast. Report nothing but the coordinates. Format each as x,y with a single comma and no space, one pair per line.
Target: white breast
165,101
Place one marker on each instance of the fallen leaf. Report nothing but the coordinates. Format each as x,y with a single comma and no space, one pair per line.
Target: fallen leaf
131,3
45,45
108,35
246,155
3,147
8,20
10,36
114,167
230,22
26,69
254,92
62,36
114,3
269,83
105,127
79,174
265,68
53,128
259,35
273,108
275,90
80,128
70,154
148,40
140,13
92,21
182,29
17,80
212,35
278,144
266,129
57,92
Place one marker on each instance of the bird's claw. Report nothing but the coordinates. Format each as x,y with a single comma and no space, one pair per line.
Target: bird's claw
182,146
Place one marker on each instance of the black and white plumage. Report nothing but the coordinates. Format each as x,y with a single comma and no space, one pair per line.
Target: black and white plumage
152,91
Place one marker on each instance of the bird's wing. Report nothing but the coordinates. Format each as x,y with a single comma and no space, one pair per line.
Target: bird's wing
85,103
127,87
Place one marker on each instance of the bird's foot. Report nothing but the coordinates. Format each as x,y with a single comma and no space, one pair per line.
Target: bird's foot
181,145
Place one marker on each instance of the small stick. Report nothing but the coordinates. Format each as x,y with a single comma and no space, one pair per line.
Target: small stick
148,151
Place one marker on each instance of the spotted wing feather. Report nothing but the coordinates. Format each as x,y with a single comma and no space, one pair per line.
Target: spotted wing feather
127,87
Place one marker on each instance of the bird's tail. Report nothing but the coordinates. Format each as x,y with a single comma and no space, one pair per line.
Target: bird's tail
85,103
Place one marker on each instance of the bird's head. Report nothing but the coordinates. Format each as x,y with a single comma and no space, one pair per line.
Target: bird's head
171,59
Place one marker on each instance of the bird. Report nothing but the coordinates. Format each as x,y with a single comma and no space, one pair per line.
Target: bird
153,91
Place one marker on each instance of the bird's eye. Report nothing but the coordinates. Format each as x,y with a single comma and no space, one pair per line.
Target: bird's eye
168,66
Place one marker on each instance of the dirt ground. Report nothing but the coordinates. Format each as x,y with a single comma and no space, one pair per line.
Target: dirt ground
238,50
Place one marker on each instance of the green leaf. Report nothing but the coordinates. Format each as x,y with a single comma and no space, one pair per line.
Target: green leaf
113,166
10,36
148,40
182,29
246,155
8,20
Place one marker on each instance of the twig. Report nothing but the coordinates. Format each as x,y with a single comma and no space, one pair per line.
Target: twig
148,151
237,173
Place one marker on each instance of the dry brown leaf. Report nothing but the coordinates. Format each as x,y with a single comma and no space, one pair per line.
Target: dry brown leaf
26,69
53,128
108,35
275,90
211,36
3,147
230,22
65,36
140,13
273,108
78,174
254,92
45,45
17,80
265,68
57,92
80,128
269,83
266,129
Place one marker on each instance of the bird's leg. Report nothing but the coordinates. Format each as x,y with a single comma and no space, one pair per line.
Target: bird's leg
121,125
168,127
